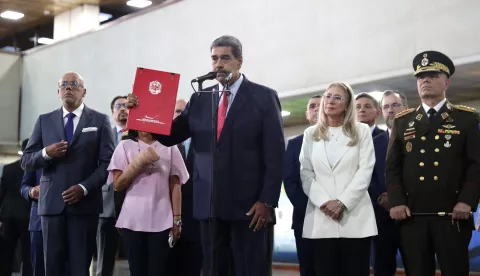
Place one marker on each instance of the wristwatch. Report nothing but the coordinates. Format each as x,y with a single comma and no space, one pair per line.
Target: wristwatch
177,222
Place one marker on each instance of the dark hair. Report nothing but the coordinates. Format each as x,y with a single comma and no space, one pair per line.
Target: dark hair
318,96
392,92
370,97
115,99
228,41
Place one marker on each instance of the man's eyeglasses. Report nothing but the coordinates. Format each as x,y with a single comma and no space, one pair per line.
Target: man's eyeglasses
118,106
72,84
333,98
394,105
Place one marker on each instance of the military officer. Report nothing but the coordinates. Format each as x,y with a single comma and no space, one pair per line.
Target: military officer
432,173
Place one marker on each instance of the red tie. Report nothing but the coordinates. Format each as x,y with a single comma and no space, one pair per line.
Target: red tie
222,114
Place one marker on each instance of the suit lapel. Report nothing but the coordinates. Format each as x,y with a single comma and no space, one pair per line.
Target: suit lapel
57,119
440,117
86,116
421,121
236,107
115,135
343,150
322,154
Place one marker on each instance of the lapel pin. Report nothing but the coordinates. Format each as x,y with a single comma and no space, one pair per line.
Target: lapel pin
419,117
444,115
409,147
411,124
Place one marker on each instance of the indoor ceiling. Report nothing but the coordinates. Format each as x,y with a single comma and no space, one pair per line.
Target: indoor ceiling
39,16
464,87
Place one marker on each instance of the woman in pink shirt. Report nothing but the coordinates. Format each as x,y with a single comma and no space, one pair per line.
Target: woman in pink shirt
152,174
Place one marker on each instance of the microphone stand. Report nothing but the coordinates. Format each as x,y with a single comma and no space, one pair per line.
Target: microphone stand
215,97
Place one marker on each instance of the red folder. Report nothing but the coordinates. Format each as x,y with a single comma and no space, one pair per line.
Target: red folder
157,94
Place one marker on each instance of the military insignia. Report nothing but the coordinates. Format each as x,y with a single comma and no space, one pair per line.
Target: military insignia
449,131
449,120
419,117
447,144
408,133
408,137
424,60
444,115
409,129
405,112
448,126
465,108
448,137
409,147
411,123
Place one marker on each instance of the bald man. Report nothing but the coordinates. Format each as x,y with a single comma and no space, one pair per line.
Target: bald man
73,145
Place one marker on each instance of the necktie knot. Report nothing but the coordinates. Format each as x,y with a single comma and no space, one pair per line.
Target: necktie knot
70,116
432,112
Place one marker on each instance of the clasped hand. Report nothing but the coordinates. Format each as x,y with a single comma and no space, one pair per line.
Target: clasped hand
333,209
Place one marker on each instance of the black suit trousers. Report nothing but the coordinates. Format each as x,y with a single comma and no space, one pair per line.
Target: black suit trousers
107,244
248,248
69,238
13,231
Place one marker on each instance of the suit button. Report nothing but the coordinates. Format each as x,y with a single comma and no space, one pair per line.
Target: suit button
423,138
422,178
435,178
422,151
435,164
421,164
437,137
437,150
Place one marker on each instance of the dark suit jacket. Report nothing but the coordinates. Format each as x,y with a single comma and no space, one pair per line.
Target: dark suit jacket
377,183
191,226
292,182
85,162
376,131
248,155
12,205
32,179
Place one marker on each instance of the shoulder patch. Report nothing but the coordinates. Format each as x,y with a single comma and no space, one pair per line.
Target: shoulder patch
465,108
405,112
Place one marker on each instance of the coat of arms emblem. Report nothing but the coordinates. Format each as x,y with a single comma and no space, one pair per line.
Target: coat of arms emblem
155,87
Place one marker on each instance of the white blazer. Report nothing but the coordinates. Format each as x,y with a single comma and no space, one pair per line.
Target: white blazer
347,181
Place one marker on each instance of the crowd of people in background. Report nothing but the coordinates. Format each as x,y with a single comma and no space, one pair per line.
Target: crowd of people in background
360,193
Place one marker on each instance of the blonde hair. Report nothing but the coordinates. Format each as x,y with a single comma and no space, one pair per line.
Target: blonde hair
349,122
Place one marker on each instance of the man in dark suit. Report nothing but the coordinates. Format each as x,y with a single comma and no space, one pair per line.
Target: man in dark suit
30,190
368,111
433,172
73,145
248,153
294,190
387,242
188,247
14,218
107,234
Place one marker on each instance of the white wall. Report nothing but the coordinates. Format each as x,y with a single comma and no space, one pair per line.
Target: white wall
10,84
293,46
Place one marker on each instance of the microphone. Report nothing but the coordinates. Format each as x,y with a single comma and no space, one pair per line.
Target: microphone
229,77
209,76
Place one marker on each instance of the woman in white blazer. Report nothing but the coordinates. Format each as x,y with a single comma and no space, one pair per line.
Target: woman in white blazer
337,160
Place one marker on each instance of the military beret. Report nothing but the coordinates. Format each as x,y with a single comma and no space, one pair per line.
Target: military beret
433,61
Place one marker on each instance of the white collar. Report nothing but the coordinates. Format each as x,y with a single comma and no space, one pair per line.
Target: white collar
372,128
77,112
437,107
119,128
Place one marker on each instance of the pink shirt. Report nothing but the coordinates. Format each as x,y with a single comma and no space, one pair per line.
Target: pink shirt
147,206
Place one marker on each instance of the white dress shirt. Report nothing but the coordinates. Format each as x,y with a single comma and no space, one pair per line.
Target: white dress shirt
78,113
437,107
233,91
